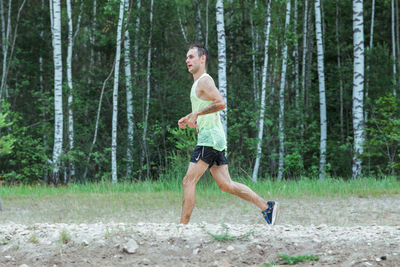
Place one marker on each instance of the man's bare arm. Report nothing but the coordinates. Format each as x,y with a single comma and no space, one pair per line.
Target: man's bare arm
206,90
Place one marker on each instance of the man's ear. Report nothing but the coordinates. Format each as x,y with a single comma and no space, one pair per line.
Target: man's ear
203,58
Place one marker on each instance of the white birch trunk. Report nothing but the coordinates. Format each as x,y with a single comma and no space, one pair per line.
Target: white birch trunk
322,98
180,23
296,60
92,40
129,95
263,93
5,41
136,45
222,84
58,110
304,61
115,95
199,32
146,115
358,87
282,96
394,49
70,87
254,48
207,24
339,62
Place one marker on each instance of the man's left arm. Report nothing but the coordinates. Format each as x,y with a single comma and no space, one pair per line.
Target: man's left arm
207,91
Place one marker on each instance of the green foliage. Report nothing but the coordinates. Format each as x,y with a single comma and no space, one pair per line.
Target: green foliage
6,141
292,260
383,135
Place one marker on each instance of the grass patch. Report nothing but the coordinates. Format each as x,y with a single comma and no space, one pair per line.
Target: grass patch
33,239
65,238
225,236
292,260
287,188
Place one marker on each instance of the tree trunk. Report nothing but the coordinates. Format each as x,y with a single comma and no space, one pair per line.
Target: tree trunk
58,110
180,22
282,95
254,48
322,98
146,116
296,61
263,93
222,84
115,95
339,62
199,31
394,49
5,42
303,64
70,87
92,39
129,96
358,87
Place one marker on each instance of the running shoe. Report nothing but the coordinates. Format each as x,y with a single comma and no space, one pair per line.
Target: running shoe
271,212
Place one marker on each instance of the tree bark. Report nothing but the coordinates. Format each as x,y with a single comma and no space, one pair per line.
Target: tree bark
148,75
322,98
263,93
282,95
358,87
58,110
222,84
129,96
115,95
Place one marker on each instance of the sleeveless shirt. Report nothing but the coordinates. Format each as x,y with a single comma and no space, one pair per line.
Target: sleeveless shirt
211,131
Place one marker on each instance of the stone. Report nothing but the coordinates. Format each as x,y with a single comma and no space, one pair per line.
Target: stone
130,247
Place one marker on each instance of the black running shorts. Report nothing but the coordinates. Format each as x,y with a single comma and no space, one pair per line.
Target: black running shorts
209,155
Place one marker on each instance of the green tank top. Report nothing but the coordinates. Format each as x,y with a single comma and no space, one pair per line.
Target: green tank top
210,132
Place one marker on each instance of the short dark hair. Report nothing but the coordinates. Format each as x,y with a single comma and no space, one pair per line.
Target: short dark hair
201,50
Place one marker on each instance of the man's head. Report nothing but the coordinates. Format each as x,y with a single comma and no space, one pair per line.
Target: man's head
196,58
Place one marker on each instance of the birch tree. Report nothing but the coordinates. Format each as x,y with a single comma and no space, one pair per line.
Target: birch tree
254,48
263,92
339,64
148,75
55,8
115,94
394,48
358,87
322,99
222,84
129,95
282,95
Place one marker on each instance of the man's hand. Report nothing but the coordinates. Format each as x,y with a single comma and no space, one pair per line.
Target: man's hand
192,121
182,122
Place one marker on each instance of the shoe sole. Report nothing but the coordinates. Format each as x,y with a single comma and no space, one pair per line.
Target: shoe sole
275,213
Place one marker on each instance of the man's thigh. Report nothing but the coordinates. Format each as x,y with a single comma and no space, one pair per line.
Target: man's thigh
221,174
195,170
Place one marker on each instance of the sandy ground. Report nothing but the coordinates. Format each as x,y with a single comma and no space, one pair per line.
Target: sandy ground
341,232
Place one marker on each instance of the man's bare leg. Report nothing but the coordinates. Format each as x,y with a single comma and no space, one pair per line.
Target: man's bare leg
225,183
193,174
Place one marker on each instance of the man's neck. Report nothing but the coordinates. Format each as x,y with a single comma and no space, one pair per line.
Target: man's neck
198,74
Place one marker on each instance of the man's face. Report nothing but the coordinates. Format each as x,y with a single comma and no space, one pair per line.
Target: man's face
193,61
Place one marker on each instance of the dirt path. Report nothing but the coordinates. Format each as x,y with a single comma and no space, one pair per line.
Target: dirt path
341,232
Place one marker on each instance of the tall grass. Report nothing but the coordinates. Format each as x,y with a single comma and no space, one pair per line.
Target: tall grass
286,188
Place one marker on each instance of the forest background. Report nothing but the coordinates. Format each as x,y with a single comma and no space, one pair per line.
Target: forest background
73,111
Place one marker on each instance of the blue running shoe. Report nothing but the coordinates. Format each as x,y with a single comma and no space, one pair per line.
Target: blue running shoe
271,212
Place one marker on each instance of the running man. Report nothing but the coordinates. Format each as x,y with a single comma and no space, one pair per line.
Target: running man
211,141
